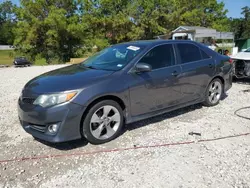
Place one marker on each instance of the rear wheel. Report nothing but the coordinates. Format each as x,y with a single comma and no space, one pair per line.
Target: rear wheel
214,93
103,122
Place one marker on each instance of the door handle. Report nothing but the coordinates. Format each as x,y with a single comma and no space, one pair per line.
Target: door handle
175,73
210,65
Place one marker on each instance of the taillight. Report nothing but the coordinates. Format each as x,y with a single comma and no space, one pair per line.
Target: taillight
230,60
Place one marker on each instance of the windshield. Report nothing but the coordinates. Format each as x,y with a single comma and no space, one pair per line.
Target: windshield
113,58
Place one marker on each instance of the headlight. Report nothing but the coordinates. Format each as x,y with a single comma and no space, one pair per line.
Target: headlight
54,99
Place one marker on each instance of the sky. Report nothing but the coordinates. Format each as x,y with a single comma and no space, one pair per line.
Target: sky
233,6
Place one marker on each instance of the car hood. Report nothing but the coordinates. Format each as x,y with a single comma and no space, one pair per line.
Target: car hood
64,79
242,56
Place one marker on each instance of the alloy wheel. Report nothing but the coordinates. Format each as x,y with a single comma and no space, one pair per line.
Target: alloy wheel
105,122
215,92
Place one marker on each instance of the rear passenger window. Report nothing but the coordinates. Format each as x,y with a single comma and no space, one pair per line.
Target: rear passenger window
160,56
189,53
204,55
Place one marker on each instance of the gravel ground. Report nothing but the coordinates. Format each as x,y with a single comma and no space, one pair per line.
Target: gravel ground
217,163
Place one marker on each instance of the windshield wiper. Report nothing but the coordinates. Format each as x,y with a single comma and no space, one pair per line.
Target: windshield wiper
90,67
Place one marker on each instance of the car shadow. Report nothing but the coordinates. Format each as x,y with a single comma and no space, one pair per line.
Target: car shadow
168,115
128,127
224,96
159,118
244,81
65,146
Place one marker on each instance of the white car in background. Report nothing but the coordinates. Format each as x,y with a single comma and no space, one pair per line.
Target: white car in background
242,64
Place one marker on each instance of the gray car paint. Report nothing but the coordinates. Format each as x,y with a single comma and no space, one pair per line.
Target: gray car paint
143,94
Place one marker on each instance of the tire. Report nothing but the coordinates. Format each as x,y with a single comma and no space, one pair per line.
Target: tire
103,122
214,93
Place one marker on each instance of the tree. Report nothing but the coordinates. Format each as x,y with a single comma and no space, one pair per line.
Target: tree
107,21
7,22
241,26
246,22
60,29
206,13
236,27
152,17
48,29
124,20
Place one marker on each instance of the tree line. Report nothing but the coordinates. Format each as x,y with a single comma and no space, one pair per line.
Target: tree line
61,29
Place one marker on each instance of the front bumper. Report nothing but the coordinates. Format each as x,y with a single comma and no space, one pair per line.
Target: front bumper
35,120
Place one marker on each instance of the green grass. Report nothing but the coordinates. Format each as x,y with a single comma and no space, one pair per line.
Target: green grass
7,57
40,62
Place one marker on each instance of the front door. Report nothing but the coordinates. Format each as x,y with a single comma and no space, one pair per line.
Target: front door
158,89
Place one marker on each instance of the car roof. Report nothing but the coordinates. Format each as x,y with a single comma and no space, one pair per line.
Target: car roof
156,42
21,57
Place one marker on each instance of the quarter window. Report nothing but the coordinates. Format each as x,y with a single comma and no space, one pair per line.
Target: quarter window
160,56
204,55
189,53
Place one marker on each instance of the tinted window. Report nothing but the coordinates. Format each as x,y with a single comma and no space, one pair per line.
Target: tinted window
189,53
160,56
204,55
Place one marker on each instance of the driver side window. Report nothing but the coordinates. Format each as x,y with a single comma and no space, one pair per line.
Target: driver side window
160,57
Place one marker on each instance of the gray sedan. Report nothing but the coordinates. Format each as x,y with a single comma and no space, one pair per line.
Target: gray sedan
121,84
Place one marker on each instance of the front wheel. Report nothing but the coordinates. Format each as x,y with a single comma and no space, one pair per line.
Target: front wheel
103,122
213,93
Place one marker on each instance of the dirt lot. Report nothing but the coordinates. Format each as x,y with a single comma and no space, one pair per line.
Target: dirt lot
193,161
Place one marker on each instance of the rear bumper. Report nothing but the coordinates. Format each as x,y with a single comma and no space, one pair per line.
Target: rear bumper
228,81
35,121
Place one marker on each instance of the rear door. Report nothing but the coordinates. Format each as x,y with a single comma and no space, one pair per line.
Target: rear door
197,70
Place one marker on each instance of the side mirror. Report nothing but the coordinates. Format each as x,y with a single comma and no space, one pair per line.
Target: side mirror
142,67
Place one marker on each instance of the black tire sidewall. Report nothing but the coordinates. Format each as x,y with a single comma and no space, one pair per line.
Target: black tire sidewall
207,102
85,130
